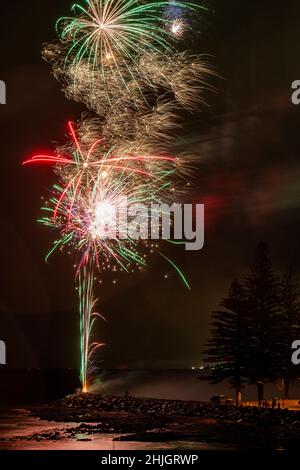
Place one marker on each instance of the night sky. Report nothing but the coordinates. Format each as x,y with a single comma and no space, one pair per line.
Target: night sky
248,141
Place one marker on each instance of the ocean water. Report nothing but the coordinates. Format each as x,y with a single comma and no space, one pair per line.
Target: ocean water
38,386
175,384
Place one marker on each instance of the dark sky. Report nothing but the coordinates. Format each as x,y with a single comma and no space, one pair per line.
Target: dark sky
249,179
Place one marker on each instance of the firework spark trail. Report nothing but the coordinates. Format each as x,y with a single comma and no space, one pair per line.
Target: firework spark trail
107,30
87,319
119,58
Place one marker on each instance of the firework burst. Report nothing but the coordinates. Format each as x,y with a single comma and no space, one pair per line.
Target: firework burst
177,27
118,58
96,187
105,31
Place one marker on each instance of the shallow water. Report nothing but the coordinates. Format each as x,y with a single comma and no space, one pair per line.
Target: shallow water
17,422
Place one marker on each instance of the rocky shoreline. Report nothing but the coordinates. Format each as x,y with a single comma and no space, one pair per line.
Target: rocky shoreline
154,420
87,407
151,420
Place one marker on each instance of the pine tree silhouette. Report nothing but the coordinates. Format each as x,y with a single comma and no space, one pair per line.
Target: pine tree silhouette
226,344
289,326
262,335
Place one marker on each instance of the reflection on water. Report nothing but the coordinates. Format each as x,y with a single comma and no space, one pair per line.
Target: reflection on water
16,423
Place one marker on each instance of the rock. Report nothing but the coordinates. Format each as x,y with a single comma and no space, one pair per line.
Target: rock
82,438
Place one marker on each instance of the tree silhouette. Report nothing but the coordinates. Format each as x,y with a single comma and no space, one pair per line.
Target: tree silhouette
263,335
252,334
225,347
289,326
